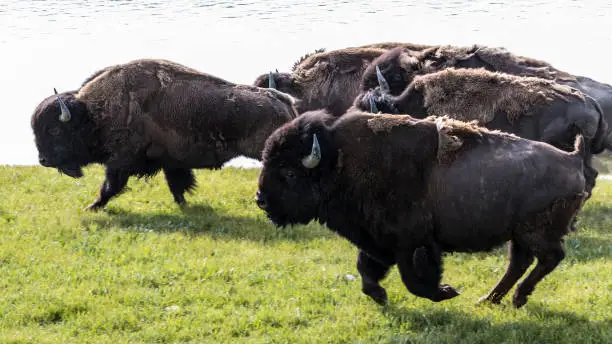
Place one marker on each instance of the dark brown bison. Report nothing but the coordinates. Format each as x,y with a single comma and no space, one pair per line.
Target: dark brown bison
405,190
400,66
329,79
530,107
149,115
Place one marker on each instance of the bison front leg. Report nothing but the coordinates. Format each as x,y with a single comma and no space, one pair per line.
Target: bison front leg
180,180
421,272
115,182
520,260
372,271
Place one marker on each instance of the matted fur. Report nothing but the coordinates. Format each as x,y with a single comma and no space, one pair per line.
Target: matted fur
500,59
478,94
342,61
301,59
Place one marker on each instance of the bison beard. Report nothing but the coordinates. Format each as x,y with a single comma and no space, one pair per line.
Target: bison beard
404,191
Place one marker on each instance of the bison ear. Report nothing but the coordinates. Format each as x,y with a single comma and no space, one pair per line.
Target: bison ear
446,143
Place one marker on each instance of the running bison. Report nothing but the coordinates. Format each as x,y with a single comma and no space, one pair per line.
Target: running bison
149,115
329,79
399,67
532,108
404,190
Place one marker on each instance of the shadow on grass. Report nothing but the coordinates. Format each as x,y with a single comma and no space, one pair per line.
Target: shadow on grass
434,325
198,219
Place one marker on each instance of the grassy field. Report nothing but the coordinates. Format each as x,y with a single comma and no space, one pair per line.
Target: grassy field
143,271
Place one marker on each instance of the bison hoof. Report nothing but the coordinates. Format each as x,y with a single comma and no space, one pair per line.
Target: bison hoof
490,298
93,207
378,294
519,300
446,292
180,201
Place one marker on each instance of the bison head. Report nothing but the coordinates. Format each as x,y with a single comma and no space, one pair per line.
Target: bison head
296,159
396,66
375,101
61,130
284,82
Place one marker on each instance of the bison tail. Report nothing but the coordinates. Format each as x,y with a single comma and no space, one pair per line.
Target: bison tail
580,148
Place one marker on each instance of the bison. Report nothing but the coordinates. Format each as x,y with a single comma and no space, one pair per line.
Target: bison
405,190
329,80
530,107
400,66
149,115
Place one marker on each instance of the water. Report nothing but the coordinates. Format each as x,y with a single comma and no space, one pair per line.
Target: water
47,44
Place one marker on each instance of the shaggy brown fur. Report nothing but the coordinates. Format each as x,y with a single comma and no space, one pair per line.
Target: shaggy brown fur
301,59
477,94
391,45
503,60
330,79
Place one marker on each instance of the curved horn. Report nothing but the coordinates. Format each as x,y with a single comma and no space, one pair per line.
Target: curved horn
373,107
271,81
313,159
384,85
65,115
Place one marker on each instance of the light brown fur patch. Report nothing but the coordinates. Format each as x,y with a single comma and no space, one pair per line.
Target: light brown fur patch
385,122
477,94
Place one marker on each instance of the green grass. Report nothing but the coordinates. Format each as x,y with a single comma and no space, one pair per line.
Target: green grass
143,271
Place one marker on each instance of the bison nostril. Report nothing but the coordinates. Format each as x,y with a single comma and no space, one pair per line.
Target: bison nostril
261,201
42,161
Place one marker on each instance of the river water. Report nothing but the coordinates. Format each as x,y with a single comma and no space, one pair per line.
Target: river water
47,44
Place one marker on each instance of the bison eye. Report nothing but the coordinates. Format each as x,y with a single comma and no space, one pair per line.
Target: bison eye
289,175
55,131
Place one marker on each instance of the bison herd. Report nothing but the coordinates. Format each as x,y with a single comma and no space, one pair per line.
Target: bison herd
406,150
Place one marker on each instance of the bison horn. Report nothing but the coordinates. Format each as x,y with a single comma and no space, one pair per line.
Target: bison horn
373,107
313,159
271,81
65,115
384,85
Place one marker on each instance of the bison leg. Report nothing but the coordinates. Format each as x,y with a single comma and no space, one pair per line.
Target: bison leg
180,180
115,182
520,260
372,271
547,262
424,280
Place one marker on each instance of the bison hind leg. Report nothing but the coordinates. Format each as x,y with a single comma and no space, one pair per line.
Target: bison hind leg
543,235
520,260
180,180
547,262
